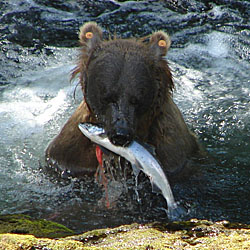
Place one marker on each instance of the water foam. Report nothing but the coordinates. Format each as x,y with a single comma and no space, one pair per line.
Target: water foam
34,101
217,45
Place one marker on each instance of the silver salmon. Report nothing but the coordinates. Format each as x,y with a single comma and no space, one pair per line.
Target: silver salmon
140,157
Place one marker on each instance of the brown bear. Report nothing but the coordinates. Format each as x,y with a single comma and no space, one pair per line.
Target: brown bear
127,87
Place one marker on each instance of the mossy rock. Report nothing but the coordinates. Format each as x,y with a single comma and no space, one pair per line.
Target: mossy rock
24,224
193,234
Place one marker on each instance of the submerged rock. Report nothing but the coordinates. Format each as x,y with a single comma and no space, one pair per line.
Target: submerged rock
192,234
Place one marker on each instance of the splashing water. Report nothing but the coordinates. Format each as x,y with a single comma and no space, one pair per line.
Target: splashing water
140,159
213,92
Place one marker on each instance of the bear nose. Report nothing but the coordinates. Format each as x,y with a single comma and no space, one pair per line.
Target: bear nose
121,137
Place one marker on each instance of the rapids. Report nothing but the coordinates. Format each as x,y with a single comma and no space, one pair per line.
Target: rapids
211,73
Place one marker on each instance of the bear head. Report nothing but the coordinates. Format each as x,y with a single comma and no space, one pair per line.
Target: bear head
124,81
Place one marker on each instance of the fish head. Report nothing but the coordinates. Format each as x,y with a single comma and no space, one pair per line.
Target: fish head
93,132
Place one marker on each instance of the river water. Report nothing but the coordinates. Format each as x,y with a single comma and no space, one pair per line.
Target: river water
212,80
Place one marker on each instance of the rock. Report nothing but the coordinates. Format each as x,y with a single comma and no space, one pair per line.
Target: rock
15,60
28,24
24,224
30,28
53,23
192,234
56,23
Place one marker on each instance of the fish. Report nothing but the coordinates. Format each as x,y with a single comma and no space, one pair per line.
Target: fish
141,160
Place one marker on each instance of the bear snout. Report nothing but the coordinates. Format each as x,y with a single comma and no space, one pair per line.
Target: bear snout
120,136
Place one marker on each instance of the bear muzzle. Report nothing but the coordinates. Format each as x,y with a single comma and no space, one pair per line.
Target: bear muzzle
120,136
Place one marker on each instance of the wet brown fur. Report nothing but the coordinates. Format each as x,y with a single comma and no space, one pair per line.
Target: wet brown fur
161,126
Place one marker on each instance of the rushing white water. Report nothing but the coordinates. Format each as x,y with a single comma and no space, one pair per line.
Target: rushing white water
31,113
213,92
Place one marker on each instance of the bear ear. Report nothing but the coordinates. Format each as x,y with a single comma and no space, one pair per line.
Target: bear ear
159,43
90,35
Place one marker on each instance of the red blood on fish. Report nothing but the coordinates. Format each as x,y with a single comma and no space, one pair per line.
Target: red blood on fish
98,153
100,170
